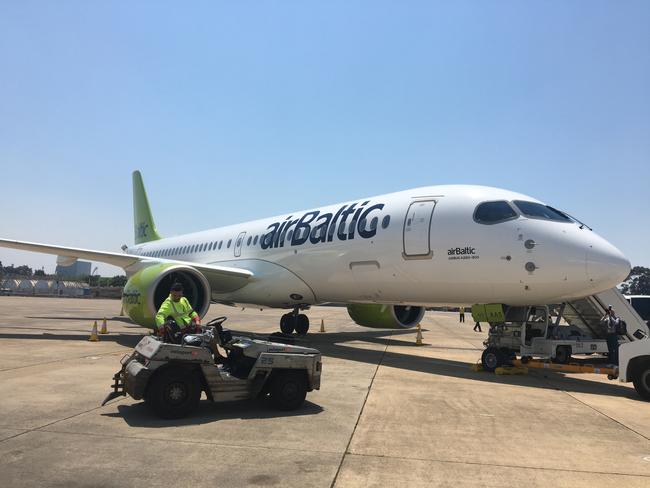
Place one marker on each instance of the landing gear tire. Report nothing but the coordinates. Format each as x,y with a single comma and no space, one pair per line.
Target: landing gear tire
562,355
641,380
301,324
287,323
174,393
491,359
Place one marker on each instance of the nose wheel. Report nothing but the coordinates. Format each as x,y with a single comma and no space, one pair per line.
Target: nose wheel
291,322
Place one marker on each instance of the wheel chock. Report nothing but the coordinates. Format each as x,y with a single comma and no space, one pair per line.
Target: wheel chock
122,311
322,325
104,329
476,367
93,334
511,370
418,337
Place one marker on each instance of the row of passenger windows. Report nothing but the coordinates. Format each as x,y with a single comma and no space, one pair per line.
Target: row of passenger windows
500,211
217,245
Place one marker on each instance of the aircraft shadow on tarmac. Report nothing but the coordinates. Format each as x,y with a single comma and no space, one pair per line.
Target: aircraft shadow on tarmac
126,320
337,345
126,340
139,415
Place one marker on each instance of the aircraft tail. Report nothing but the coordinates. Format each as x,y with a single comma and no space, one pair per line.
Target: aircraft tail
144,226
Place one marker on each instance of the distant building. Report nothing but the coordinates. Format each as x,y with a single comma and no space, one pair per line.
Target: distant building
77,270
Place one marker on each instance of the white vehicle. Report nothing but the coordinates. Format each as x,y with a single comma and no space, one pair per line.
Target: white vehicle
538,336
385,257
640,303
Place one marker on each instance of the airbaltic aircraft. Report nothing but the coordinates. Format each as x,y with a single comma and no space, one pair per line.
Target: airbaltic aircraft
386,257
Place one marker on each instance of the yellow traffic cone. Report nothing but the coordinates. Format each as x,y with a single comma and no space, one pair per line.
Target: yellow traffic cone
93,335
322,325
418,337
104,327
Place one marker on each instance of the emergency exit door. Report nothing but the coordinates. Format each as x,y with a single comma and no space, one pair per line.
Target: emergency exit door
417,230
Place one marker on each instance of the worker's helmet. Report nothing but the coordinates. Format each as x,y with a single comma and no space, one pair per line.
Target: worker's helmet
177,287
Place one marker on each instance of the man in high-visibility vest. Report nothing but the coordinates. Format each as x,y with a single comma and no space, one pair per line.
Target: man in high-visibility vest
176,308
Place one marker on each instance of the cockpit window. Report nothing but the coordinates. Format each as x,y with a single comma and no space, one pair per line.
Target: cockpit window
540,211
494,212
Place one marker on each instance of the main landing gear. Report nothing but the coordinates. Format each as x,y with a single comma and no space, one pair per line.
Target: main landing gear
294,321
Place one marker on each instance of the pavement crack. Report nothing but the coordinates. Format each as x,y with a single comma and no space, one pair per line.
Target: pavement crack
363,406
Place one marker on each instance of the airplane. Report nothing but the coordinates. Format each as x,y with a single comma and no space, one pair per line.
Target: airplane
386,258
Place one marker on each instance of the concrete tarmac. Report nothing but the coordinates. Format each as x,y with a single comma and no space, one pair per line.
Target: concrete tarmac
389,413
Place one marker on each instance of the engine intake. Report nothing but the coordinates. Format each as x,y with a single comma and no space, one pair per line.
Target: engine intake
145,291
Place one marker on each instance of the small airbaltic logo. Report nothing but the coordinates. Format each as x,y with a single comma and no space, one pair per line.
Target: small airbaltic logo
459,251
320,227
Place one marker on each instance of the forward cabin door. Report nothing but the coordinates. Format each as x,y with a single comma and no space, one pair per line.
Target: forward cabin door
239,243
417,230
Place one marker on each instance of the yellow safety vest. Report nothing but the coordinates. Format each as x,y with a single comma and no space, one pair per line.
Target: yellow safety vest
181,311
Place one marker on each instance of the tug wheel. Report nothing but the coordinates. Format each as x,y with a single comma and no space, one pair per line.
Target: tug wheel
562,354
174,393
641,380
288,390
491,359
287,322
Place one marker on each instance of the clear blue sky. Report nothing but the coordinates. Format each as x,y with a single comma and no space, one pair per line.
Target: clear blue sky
241,110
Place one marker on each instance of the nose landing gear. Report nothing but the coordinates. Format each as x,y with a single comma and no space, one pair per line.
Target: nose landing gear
294,321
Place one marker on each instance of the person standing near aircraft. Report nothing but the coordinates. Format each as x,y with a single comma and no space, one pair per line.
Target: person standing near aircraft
610,321
461,312
177,309
477,325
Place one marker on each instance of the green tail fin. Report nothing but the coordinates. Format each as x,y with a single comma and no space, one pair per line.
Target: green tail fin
144,226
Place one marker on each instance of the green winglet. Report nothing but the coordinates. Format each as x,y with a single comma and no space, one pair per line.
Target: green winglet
144,226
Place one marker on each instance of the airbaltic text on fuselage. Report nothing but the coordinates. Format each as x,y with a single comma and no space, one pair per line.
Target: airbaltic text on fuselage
317,227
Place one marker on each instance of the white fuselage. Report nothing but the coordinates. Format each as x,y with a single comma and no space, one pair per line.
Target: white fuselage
417,247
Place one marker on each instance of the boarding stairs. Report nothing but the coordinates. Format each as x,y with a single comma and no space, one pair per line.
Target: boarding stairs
586,313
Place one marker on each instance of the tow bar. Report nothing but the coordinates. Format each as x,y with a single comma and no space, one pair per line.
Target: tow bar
118,388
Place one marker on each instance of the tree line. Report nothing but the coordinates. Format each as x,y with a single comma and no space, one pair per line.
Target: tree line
25,271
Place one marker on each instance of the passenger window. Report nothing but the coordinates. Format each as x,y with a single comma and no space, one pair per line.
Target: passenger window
229,242
540,211
255,241
494,212
385,221
289,234
250,238
220,242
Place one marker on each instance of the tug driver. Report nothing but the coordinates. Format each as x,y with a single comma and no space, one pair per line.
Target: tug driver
176,310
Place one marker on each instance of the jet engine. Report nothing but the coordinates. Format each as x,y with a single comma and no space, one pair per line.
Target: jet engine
386,316
145,291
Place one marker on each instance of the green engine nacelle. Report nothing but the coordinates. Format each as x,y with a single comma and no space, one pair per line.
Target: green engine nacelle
145,291
386,316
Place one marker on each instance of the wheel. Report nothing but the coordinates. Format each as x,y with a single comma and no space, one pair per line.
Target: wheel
302,324
562,354
288,390
491,359
174,393
641,380
287,322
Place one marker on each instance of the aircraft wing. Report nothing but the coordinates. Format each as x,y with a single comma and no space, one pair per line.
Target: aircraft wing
217,275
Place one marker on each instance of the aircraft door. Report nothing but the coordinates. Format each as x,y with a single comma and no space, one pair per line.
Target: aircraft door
417,230
239,243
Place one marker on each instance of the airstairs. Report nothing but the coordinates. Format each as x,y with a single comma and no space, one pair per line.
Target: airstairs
587,312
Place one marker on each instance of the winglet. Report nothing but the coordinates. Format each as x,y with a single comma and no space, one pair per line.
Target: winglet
144,226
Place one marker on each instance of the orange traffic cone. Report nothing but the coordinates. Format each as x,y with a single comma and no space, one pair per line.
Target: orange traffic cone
93,334
418,337
104,327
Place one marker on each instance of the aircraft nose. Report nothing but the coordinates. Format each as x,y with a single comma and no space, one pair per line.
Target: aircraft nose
606,265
